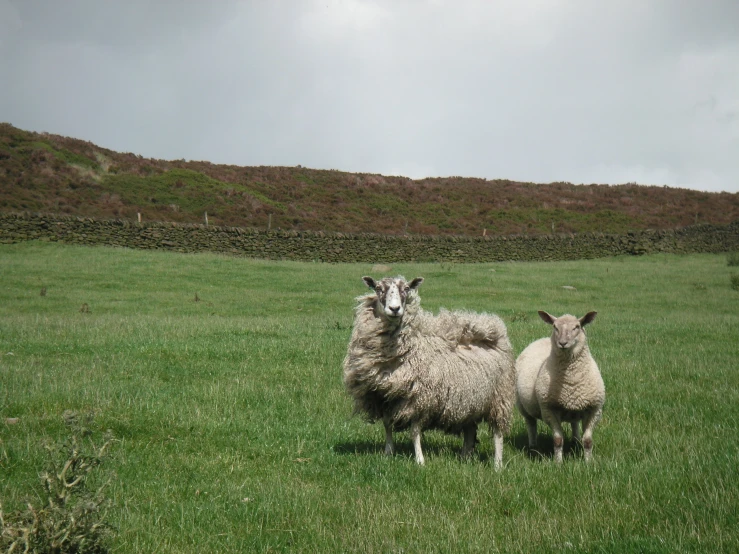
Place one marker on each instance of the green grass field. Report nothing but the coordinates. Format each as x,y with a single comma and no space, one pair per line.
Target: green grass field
234,433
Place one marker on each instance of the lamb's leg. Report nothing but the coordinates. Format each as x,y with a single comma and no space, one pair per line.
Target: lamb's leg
498,442
531,428
576,431
559,440
389,445
470,438
588,424
416,437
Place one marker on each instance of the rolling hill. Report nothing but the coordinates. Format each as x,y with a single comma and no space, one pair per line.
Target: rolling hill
40,172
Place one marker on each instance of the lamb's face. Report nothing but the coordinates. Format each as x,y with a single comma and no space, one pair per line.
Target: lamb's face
567,330
392,293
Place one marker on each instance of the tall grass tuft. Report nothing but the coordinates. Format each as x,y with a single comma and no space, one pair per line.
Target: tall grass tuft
71,515
735,281
732,259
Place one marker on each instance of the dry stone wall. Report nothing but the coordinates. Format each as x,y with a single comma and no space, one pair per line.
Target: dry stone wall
370,248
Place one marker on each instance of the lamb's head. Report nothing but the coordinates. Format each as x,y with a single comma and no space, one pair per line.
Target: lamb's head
392,294
568,336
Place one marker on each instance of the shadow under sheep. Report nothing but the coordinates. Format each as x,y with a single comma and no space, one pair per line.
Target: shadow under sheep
372,447
544,446
404,448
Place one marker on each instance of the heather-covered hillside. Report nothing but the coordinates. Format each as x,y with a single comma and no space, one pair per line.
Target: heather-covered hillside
49,173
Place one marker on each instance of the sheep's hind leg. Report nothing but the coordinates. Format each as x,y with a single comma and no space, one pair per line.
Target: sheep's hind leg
588,424
557,435
416,437
470,438
576,431
531,429
389,445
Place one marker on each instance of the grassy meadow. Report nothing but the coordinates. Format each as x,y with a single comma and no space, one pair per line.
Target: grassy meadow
220,379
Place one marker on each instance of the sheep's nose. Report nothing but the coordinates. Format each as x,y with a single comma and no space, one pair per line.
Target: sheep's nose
395,309
562,343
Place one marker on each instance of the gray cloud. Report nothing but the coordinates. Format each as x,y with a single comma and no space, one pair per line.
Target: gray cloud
537,90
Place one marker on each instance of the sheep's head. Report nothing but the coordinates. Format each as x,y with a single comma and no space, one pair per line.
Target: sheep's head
567,330
392,293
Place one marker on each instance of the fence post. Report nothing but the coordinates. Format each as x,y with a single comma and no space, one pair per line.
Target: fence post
206,219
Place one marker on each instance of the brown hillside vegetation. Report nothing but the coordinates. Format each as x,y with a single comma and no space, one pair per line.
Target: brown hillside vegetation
40,172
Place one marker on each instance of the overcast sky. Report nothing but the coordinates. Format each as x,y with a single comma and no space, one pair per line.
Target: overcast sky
532,90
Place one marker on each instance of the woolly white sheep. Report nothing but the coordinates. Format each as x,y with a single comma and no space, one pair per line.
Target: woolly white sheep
414,370
558,380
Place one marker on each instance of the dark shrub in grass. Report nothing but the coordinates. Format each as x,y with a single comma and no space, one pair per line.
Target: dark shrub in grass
732,258
735,281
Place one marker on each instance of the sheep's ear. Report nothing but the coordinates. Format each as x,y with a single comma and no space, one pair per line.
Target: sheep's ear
415,283
370,282
547,318
588,318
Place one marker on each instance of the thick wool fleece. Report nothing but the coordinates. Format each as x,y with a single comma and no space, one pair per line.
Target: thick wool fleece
442,372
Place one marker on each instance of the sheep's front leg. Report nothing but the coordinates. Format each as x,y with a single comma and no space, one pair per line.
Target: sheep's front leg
416,437
588,424
389,445
470,438
498,442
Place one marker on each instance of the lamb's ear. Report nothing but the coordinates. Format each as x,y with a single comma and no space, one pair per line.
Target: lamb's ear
547,318
415,283
588,318
370,282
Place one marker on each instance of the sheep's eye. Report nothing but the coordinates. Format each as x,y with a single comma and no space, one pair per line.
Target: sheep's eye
406,288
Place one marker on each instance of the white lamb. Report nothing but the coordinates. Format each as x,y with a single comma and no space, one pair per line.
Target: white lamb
414,370
558,380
